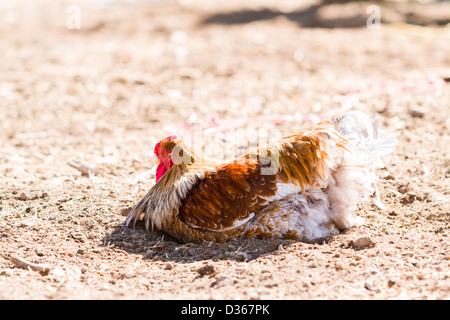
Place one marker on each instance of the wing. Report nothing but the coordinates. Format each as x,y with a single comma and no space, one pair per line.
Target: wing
227,197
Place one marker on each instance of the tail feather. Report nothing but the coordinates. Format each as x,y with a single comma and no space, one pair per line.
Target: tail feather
369,145
358,129
383,144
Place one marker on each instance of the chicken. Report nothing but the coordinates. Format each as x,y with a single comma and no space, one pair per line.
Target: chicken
305,186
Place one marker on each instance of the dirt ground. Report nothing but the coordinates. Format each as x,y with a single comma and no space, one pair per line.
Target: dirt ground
99,83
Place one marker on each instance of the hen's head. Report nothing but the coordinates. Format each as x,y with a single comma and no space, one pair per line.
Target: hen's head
163,150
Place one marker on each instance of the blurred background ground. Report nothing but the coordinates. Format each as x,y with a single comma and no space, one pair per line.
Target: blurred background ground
99,82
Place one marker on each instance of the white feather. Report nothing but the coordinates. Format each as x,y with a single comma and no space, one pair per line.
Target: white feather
368,148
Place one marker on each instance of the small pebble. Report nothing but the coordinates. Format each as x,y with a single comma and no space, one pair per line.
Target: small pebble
30,209
416,112
206,270
6,273
241,256
39,252
390,283
149,254
363,242
369,285
169,266
23,196
57,274
338,266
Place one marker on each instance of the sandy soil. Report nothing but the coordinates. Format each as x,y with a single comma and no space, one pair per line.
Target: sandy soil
134,71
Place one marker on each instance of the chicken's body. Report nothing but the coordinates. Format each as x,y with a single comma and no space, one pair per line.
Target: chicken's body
305,186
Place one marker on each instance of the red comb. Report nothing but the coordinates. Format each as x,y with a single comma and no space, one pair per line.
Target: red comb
158,145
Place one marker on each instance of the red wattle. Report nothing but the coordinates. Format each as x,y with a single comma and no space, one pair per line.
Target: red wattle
160,171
